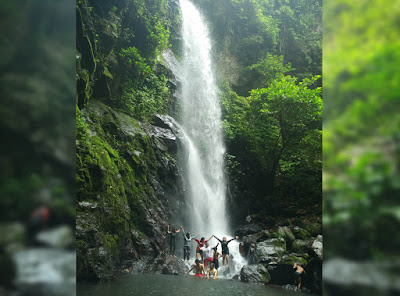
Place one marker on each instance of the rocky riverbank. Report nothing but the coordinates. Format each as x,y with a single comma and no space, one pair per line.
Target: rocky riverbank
272,251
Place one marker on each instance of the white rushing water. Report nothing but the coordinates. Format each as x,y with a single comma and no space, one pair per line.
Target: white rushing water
201,120
203,153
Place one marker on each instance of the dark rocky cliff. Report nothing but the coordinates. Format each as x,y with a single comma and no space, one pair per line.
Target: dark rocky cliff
128,183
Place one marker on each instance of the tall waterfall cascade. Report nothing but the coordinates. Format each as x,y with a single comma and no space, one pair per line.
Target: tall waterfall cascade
203,151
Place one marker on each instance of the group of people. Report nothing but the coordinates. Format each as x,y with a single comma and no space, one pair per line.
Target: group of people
209,255
205,254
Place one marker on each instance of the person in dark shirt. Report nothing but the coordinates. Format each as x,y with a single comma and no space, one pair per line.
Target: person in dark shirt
225,249
172,240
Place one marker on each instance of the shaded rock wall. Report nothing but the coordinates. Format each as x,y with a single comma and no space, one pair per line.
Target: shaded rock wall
127,189
127,181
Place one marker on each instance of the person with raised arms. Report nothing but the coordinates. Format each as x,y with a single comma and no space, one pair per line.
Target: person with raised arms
200,244
208,253
187,244
225,249
172,240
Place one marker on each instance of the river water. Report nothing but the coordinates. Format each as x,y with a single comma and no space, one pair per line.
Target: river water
172,285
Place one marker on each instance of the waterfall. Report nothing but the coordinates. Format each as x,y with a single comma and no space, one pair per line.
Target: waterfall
203,150
201,120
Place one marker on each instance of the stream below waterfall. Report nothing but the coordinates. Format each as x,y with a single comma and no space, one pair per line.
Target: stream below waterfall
172,285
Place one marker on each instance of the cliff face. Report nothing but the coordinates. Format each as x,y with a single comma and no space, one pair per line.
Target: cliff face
128,183
127,187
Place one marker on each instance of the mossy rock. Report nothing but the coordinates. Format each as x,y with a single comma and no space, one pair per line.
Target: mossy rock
255,274
271,248
292,259
12,234
301,233
300,246
285,233
313,228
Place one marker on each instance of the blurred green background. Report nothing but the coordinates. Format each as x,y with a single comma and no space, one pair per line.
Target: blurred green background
37,151
361,137
361,145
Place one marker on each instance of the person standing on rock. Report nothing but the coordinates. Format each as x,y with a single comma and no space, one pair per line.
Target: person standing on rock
216,256
172,241
250,255
225,249
298,273
187,244
200,244
208,253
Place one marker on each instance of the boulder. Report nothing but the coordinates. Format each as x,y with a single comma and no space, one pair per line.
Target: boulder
313,228
313,280
345,277
282,271
317,247
285,233
58,237
12,235
301,246
248,229
174,266
254,274
254,238
269,250
300,233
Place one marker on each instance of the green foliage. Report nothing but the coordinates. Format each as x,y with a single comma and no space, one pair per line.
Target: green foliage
275,141
264,72
361,136
254,35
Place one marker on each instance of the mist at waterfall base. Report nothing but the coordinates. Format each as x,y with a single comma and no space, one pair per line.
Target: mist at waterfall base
202,153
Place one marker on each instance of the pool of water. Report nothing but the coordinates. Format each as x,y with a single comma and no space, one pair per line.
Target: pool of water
173,285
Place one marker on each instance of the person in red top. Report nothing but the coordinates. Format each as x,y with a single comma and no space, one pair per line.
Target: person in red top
37,222
200,244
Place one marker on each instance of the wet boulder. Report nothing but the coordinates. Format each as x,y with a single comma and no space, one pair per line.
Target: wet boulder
317,247
344,277
313,280
285,233
301,246
174,266
269,250
253,239
13,235
313,228
282,271
300,233
58,237
248,229
254,274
